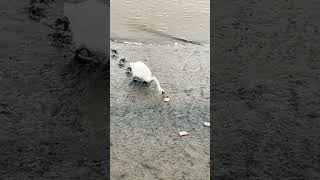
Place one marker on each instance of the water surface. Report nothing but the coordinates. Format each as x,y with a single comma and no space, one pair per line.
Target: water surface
138,21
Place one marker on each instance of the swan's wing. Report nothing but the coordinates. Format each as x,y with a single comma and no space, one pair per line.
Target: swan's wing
141,71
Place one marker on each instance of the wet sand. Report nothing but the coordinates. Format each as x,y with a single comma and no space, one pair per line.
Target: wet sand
144,130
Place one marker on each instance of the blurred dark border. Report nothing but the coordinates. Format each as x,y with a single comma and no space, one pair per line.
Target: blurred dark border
45,131
108,94
265,89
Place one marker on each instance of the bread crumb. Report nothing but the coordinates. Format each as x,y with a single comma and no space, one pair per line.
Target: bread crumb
167,99
206,124
183,133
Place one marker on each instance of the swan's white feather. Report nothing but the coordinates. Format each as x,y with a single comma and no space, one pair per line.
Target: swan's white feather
141,71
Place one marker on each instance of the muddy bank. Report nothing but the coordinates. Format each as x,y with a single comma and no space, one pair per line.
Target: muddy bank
52,112
144,130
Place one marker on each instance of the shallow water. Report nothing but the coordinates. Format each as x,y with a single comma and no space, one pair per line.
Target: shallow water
133,19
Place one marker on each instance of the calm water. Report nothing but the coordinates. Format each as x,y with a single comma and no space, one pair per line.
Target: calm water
152,21
137,20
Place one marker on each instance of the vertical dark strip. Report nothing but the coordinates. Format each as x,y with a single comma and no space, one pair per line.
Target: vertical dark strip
265,89
212,70
108,92
53,107
95,102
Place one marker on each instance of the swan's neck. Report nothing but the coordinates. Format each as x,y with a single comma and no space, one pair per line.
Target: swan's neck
157,82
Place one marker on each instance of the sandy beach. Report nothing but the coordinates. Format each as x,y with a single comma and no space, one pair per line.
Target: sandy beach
144,130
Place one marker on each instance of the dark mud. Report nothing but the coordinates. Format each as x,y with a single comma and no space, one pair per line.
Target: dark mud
52,111
266,102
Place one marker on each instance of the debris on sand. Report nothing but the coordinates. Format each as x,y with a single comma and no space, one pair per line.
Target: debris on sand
184,133
206,124
114,53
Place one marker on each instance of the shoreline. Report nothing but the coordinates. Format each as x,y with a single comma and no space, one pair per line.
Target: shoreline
157,42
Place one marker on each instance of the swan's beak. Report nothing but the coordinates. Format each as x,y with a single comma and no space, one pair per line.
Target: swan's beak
162,92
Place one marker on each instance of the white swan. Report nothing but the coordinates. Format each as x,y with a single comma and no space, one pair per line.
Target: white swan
141,71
